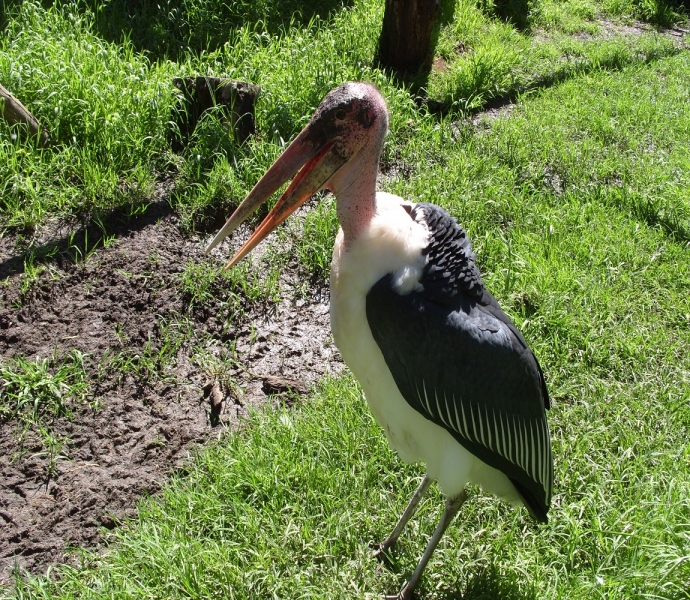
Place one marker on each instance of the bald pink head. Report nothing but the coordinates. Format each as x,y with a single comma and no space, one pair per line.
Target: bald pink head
360,116
338,150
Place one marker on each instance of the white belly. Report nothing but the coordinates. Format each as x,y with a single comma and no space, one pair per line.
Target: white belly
393,245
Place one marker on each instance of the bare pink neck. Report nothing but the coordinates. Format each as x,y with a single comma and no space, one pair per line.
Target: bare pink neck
355,189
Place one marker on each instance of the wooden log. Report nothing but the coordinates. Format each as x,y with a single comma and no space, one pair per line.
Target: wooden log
405,40
13,111
201,93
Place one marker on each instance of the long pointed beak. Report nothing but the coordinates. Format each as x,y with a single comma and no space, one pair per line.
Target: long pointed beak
317,162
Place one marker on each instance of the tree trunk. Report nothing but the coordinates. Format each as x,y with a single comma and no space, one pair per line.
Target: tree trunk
13,111
201,93
404,45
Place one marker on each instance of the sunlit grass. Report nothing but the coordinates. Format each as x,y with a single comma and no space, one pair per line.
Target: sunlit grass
109,109
287,507
230,290
106,110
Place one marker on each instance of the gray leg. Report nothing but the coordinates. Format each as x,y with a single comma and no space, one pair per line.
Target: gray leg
452,507
389,542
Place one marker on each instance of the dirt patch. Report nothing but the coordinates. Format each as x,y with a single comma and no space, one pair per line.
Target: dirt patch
124,303
439,65
483,121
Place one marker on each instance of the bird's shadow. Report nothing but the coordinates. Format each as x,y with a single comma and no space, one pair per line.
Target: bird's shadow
484,582
487,582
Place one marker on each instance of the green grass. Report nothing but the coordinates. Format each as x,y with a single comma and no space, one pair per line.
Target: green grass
35,394
106,110
109,108
579,15
497,61
313,241
233,289
287,507
154,361
578,203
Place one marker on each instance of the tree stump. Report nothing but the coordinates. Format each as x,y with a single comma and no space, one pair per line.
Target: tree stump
13,111
201,93
404,44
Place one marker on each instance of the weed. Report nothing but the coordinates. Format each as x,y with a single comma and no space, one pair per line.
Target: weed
219,368
36,394
30,276
81,252
152,361
42,388
54,449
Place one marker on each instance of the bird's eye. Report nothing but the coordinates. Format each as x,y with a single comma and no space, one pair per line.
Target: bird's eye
340,114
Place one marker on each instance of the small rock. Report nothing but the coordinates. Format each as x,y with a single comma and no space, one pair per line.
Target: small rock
215,397
278,385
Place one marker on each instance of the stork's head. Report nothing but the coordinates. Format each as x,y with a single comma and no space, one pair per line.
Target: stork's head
348,127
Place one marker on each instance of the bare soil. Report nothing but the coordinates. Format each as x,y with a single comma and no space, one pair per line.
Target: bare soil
142,427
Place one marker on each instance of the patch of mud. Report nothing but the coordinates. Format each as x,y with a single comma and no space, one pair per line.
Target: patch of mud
119,302
439,65
482,121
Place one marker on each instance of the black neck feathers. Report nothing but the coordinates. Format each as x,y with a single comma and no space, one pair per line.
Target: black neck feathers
450,270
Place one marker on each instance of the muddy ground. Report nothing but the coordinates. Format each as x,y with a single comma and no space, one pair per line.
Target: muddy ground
143,426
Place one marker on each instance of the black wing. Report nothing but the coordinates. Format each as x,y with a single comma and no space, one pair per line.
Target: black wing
459,361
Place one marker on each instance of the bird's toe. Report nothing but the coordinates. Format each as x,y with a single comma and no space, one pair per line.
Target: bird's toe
405,594
382,552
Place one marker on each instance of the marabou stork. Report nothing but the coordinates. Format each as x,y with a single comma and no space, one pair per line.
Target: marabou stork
445,372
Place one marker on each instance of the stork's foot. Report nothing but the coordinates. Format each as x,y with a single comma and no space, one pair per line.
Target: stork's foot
382,552
406,593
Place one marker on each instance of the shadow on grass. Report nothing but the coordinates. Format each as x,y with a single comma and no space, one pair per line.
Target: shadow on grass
488,583
652,211
79,243
7,9
661,13
672,226
484,583
515,12
569,70
170,28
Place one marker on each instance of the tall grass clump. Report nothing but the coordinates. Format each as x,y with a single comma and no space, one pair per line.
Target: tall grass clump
106,109
173,28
